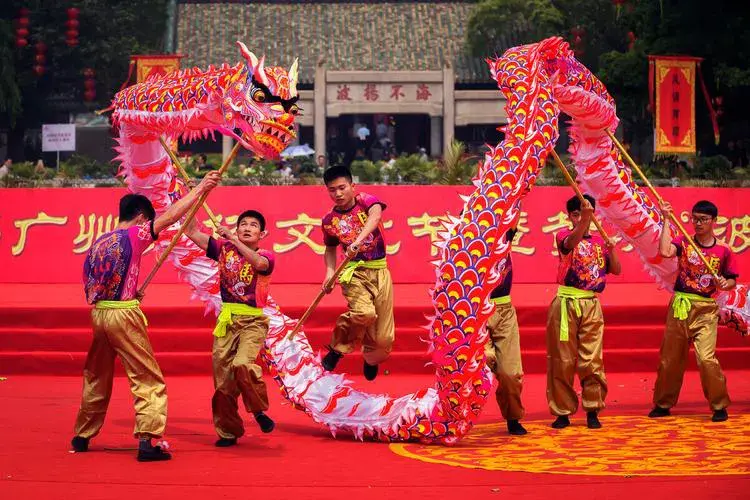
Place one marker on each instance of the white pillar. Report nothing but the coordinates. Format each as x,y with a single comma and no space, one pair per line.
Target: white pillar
449,105
319,98
227,143
436,124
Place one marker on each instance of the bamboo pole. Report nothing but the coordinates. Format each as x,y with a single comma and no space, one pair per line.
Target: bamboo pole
348,257
183,172
191,213
575,187
660,200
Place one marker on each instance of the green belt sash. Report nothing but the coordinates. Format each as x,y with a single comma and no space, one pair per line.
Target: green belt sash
122,304
229,309
501,300
566,293
352,265
682,303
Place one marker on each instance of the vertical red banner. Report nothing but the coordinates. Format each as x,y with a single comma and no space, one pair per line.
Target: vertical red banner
675,103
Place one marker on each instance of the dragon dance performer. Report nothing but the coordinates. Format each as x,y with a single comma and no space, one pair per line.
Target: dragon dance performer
244,277
503,348
693,315
354,223
575,324
110,276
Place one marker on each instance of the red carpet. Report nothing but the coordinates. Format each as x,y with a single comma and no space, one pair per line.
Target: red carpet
300,460
45,329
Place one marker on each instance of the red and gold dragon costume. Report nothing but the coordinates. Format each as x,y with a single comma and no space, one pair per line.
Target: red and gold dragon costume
538,81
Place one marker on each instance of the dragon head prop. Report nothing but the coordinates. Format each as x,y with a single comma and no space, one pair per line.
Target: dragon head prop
262,103
253,104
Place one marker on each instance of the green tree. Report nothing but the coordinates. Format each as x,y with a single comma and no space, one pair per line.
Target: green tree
109,32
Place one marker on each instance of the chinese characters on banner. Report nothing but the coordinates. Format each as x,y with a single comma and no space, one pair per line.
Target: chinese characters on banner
674,78
386,92
44,236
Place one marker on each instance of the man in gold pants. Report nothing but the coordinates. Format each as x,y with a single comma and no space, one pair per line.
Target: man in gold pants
244,278
503,348
110,281
575,324
693,315
355,224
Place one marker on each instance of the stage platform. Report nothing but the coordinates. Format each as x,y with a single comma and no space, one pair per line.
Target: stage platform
45,329
300,459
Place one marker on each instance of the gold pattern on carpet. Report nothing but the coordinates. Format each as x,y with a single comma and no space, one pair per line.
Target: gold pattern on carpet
626,446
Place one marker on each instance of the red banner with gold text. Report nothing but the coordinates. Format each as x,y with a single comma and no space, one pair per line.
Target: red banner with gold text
674,121
45,233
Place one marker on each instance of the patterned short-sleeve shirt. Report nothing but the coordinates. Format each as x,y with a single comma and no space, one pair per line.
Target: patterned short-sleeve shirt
692,274
112,265
343,227
240,283
586,266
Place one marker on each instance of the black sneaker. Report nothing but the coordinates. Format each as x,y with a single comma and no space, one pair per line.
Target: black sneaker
515,428
225,442
720,416
659,412
592,420
330,360
561,422
149,453
264,421
80,444
370,371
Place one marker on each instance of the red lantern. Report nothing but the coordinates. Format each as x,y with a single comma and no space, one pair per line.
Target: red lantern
631,40
40,47
89,95
88,73
23,12
22,33
21,42
39,70
89,84
22,22
71,35
40,59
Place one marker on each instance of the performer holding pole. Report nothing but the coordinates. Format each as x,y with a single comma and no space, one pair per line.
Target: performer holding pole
244,278
575,323
110,280
704,266
366,282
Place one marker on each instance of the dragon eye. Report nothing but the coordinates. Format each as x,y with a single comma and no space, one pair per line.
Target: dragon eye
259,95
294,109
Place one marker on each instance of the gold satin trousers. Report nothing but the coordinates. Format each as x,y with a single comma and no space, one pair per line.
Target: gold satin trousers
700,328
369,319
122,333
503,352
236,373
581,353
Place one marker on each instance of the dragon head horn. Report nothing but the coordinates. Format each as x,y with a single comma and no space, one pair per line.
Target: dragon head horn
293,77
255,67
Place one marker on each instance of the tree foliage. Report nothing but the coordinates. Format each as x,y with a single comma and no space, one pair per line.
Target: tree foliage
109,32
718,31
